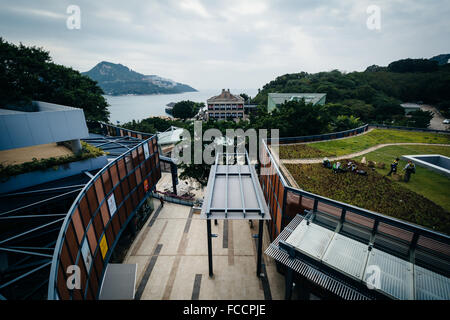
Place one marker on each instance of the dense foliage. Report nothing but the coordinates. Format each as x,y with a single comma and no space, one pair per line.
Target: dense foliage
186,109
413,65
27,73
200,172
375,94
152,125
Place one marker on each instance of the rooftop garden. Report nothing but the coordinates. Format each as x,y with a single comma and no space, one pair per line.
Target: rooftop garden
358,143
424,200
88,151
375,192
430,184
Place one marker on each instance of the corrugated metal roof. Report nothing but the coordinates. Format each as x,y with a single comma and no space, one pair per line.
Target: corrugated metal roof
311,239
347,255
355,261
234,192
396,275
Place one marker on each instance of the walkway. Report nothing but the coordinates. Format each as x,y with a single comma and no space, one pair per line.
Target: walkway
172,258
437,121
357,154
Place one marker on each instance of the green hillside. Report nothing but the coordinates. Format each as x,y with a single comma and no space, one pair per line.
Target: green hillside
117,79
375,94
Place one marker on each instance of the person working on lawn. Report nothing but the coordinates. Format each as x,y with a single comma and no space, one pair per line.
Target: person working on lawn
337,167
394,166
326,163
409,168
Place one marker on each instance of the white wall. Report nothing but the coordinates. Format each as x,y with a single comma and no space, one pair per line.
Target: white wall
52,123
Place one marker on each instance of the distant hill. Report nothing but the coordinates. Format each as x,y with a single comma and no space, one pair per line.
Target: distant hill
441,59
117,79
374,95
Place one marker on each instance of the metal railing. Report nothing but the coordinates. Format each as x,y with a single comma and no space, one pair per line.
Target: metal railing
349,133
322,137
383,126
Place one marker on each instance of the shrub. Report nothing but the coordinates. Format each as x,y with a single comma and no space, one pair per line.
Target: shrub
87,151
381,165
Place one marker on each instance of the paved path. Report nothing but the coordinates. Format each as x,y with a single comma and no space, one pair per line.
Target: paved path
437,121
171,254
357,154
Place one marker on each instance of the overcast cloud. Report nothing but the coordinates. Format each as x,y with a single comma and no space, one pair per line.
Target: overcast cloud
230,43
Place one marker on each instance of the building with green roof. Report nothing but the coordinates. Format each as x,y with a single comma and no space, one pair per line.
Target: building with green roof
274,99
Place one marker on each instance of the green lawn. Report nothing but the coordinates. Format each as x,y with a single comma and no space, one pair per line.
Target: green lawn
376,193
302,151
425,182
358,143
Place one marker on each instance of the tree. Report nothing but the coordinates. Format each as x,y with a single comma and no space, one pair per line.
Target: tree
343,123
420,118
152,125
413,65
27,74
294,118
186,109
200,172
245,96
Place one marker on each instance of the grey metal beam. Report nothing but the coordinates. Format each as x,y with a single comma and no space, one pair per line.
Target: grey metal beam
226,186
30,248
210,192
88,174
27,252
18,266
31,216
254,187
31,230
40,190
242,191
210,261
39,202
259,257
235,209
288,283
25,275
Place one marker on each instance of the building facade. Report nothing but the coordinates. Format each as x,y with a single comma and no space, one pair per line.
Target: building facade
225,106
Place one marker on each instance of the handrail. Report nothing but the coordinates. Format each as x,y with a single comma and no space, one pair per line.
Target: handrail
119,129
383,126
325,136
83,192
346,133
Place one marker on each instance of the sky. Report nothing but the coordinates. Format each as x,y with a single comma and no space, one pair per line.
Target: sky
230,43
